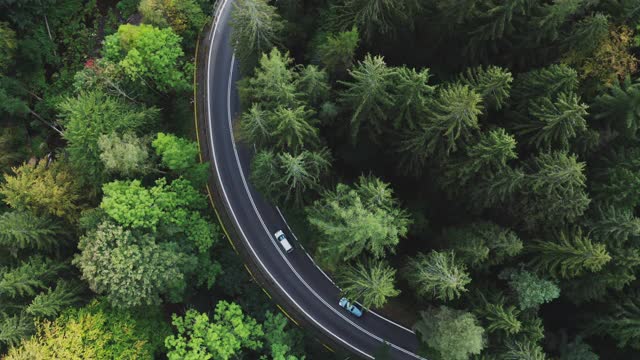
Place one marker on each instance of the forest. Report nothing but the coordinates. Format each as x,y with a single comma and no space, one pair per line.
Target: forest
470,168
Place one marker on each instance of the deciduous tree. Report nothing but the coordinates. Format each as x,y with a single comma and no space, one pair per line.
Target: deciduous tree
125,155
181,156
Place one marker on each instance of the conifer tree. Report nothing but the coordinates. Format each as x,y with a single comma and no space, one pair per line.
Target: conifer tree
28,278
293,130
54,301
553,16
617,180
614,225
553,122
337,51
620,107
548,81
482,243
273,83
621,322
368,95
313,84
373,16
498,316
15,328
587,34
530,290
300,173
410,96
370,283
498,187
256,126
492,83
23,230
451,119
437,275
569,255
256,28
483,159
265,174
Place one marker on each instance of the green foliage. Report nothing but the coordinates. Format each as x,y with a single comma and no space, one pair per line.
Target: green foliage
280,340
499,317
15,328
411,94
451,119
54,301
313,83
8,46
256,126
273,84
370,283
126,155
437,275
375,16
42,189
368,95
353,220
621,322
96,331
185,17
131,270
545,82
620,107
148,56
554,15
256,29
570,255
337,51
28,277
91,115
530,290
482,243
181,156
522,350
22,230
553,122
451,334
223,338
293,130
614,225
587,34
616,181
577,350
492,83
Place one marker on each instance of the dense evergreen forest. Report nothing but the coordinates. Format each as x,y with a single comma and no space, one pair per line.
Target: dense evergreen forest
471,167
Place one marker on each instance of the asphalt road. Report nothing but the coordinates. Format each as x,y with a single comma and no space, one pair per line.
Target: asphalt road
304,288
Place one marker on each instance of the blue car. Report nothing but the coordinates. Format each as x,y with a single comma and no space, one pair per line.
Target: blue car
354,309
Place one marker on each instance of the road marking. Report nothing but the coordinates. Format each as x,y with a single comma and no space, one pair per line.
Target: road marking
273,241
328,347
265,291
244,236
287,315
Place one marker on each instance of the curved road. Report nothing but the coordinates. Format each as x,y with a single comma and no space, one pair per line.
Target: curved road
304,288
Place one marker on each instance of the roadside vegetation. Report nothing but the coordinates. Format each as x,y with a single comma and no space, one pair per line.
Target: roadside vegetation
470,165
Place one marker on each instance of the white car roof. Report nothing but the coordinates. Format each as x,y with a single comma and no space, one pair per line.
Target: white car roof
278,233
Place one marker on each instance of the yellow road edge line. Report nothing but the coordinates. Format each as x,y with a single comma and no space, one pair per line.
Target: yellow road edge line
266,292
327,346
250,273
287,315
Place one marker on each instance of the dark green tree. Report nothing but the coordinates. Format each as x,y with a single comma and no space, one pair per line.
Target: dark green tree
530,290
23,230
337,51
621,322
552,16
437,275
569,255
587,34
616,179
482,243
373,17
548,81
369,95
492,83
256,29
411,93
619,108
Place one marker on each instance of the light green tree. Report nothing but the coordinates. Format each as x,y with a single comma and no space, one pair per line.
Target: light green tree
337,51
273,84
42,189
530,290
570,255
293,130
181,156
126,155
185,17
437,275
313,84
370,283
148,56
223,337
256,126
368,95
256,28
411,93
450,334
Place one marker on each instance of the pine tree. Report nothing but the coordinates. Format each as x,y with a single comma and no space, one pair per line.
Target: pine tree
370,283
256,126
54,301
15,328
620,108
622,322
617,180
451,119
555,188
337,51
273,83
498,188
256,28
368,95
614,225
313,83
482,243
23,230
492,83
569,255
410,96
483,159
28,277
553,122
293,130
549,81
302,172
554,15
498,316
587,34
437,275
530,290
373,16
265,174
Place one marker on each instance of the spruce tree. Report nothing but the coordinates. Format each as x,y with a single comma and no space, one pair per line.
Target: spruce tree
265,174
492,83
337,51
571,254
620,107
373,16
369,96
256,28
545,82
300,173
548,24
553,122
256,126
622,322
273,84
15,328
614,225
437,275
23,230
293,130
482,243
313,84
54,301
587,34
498,316
411,93
370,283
616,180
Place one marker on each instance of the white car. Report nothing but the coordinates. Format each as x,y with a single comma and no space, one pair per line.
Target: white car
282,239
